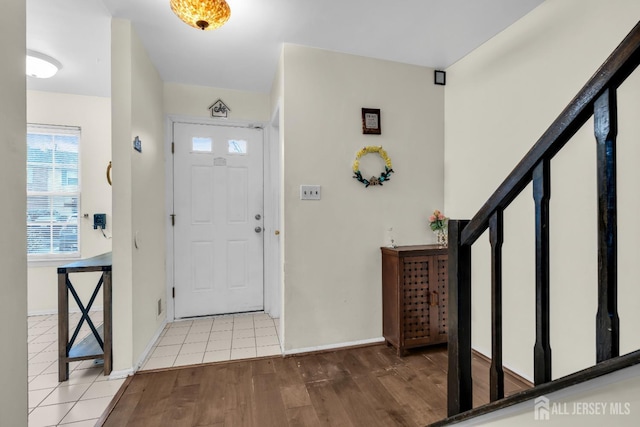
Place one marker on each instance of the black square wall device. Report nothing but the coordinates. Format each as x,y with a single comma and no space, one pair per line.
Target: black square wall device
99,221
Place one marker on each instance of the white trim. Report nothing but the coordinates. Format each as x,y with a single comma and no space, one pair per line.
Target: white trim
55,261
50,312
272,196
118,375
43,313
268,172
143,357
169,307
334,346
173,118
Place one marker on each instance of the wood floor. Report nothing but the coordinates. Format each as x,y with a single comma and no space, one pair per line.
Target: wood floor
367,386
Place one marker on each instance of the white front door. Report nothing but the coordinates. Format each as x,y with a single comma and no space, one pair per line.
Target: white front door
218,207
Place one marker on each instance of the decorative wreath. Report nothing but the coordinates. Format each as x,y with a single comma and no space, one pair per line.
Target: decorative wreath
374,180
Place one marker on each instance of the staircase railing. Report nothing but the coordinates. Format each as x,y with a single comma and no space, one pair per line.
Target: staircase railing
598,99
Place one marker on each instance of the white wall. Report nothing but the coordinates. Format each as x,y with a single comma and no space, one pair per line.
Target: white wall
13,245
332,269
93,116
499,100
138,197
612,400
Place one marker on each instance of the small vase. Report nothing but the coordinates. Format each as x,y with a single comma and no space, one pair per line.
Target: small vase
442,238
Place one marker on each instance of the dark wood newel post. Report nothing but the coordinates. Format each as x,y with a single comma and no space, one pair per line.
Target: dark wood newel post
607,322
496,373
459,348
542,348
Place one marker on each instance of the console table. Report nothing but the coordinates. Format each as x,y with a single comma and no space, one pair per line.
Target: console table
414,296
96,345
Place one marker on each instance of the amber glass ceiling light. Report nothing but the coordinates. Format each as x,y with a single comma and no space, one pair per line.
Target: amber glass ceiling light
203,14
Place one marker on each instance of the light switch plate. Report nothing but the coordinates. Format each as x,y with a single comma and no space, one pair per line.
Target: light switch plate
309,192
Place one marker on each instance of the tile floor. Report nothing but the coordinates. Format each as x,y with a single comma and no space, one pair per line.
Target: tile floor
215,339
82,399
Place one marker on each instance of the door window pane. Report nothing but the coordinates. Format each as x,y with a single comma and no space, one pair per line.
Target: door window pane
201,145
237,146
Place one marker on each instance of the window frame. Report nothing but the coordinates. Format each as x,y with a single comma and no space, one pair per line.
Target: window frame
56,130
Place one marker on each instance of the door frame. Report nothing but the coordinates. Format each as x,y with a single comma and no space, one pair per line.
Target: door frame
271,185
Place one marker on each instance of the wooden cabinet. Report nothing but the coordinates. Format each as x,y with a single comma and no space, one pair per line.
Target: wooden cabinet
414,296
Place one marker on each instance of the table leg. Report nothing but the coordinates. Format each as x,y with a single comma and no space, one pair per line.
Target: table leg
63,327
107,321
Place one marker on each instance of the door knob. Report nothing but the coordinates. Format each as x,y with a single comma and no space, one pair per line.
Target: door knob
258,216
258,229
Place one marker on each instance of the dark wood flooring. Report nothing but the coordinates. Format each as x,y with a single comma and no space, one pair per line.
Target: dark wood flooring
366,386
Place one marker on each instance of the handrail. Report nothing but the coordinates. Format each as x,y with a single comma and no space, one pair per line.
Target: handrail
598,99
620,64
587,374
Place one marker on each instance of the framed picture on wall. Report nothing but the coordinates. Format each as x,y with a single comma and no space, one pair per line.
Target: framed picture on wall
371,121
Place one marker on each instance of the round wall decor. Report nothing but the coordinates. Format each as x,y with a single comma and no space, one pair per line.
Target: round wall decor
374,180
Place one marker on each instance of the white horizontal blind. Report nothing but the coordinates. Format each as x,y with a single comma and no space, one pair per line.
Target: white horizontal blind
53,191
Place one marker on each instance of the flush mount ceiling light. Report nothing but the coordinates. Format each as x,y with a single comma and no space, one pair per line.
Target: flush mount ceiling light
202,14
41,66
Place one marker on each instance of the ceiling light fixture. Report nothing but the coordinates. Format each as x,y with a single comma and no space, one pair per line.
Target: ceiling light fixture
41,66
202,14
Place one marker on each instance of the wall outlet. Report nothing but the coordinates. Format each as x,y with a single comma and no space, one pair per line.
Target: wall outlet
309,192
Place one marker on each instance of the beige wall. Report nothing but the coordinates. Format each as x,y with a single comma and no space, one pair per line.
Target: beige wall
121,100
499,100
148,199
13,245
194,101
138,197
93,116
332,285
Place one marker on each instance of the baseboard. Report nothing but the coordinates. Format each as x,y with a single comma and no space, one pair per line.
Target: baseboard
327,347
145,354
50,312
506,370
116,375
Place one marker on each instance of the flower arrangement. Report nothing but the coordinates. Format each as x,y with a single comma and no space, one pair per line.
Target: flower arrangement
374,180
437,221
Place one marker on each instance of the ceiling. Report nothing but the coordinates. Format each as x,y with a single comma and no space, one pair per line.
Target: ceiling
243,54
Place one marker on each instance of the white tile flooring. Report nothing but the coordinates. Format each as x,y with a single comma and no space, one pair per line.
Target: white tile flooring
215,339
81,400
77,402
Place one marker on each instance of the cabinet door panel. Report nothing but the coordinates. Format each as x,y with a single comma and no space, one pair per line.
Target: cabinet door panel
438,298
415,296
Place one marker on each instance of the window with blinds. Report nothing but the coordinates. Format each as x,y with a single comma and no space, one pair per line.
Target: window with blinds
53,191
